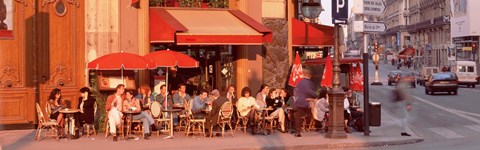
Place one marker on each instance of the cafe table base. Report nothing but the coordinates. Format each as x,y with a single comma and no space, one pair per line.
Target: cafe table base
171,111
69,121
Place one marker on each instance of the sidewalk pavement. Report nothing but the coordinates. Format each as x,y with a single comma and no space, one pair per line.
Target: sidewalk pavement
387,134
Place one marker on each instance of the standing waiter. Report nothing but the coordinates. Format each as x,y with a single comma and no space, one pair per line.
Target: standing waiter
305,90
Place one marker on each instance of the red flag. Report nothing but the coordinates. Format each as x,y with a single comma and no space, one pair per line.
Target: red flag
357,79
327,78
297,72
352,74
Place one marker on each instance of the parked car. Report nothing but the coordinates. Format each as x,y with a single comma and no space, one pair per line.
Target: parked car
392,76
425,73
442,82
406,76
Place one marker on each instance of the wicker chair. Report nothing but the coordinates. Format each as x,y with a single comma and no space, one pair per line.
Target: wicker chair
120,127
44,124
88,126
159,117
196,125
225,117
241,119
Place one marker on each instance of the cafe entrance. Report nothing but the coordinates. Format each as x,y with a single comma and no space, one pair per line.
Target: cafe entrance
216,69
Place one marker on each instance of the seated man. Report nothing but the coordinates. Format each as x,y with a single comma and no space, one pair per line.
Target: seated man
199,103
352,112
178,98
114,110
212,117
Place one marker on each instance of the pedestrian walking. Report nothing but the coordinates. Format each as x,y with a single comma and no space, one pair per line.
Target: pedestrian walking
404,103
305,90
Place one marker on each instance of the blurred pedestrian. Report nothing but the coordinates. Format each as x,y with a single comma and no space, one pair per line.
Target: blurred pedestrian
404,102
305,90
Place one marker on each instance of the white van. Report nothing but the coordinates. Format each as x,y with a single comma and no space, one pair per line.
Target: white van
466,72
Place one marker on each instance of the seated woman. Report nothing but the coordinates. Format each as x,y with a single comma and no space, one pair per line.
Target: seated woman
273,101
245,104
145,96
352,112
86,104
321,107
54,105
133,104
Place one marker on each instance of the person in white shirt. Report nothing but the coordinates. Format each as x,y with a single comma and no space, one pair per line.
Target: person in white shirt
245,104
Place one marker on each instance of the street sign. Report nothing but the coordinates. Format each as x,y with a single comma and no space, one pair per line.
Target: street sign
369,7
340,10
365,26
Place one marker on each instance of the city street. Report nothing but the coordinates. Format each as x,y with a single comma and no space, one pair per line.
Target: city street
443,121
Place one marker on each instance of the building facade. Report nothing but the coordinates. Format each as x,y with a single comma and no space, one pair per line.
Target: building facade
428,23
396,36
465,29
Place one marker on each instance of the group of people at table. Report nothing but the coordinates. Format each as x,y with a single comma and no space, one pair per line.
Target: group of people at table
305,102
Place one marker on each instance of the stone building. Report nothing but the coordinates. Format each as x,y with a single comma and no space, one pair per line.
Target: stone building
396,36
428,23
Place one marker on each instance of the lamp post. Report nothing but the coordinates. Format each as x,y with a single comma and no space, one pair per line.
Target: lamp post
336,95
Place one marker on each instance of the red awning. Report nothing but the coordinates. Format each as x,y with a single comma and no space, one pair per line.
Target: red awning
309,34
322,61
408,52
206,27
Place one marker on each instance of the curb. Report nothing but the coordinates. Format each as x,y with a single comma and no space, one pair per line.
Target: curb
338,145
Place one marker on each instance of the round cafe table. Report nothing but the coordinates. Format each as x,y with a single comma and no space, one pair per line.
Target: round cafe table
69,121
262,122
171,111
129,115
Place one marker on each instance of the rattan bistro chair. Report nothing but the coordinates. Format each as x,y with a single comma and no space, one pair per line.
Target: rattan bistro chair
225,117
195,125
156,110
44,124
241,119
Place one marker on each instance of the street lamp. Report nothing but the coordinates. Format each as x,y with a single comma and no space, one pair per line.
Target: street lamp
311,9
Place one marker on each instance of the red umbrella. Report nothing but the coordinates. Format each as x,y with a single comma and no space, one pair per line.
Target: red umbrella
168,58
297,72
327,78
120,61
356,82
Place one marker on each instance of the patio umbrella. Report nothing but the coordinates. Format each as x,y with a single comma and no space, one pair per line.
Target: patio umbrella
297,72
120,61
356,79
327,78
168,58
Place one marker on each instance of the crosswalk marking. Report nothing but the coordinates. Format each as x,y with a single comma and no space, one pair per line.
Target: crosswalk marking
474,127
446,133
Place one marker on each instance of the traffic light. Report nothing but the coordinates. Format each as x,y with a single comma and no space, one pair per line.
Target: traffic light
375,47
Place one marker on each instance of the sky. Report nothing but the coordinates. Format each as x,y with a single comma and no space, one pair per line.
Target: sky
326,16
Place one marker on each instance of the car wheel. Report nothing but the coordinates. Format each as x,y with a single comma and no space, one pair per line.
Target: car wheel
389,83
455,93
426,91
473,85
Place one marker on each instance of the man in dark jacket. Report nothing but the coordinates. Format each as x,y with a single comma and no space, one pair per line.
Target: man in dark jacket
305,90
212,117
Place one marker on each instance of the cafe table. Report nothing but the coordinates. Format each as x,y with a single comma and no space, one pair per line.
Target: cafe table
69,121
263,121
129,114
171,111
